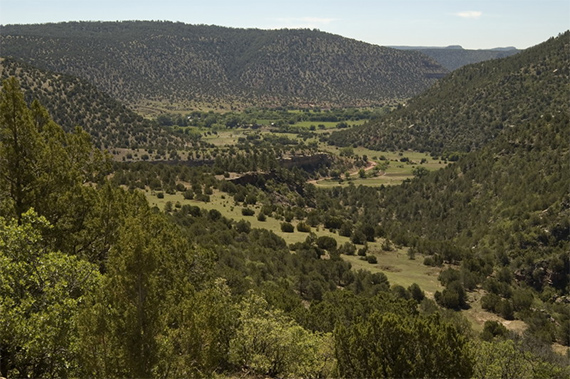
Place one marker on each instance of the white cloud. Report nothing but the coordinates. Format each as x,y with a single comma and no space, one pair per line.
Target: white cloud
469,14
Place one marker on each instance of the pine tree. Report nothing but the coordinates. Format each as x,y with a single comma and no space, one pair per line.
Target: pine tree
19,146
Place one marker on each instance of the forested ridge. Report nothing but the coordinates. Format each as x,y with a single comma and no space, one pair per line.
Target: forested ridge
141,61
75,102
474,104
452,59
501,212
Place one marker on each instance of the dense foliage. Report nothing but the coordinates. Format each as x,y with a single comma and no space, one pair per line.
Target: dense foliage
95,282
494,96
506,206
106,286
139,63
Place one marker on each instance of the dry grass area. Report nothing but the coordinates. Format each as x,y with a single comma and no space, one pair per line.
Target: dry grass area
395,264
226,206
478,315
560,349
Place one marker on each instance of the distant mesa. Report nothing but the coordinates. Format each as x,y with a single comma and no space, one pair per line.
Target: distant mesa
450,47
455,56
508,48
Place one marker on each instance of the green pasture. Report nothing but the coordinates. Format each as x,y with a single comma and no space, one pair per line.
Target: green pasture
413,156
226,206
399,269
394,173
327,124
389,179
224,138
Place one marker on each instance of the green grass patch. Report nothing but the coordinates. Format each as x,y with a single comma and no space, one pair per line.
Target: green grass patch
224,138
399,268
328,124
229,210
392,171
371,182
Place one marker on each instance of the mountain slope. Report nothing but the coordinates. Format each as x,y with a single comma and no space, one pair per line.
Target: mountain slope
474,104
512,195
141,62
74,102
454,57
503,212
501,215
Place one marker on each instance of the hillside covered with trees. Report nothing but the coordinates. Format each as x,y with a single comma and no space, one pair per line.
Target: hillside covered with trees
145,63
75,102
117,288
474,104
501,216
95,281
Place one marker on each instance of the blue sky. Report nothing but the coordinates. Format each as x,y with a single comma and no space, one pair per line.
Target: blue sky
472,24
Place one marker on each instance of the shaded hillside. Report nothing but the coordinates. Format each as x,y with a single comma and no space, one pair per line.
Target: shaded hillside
142,62
512,196
454,57
474,104
74,102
